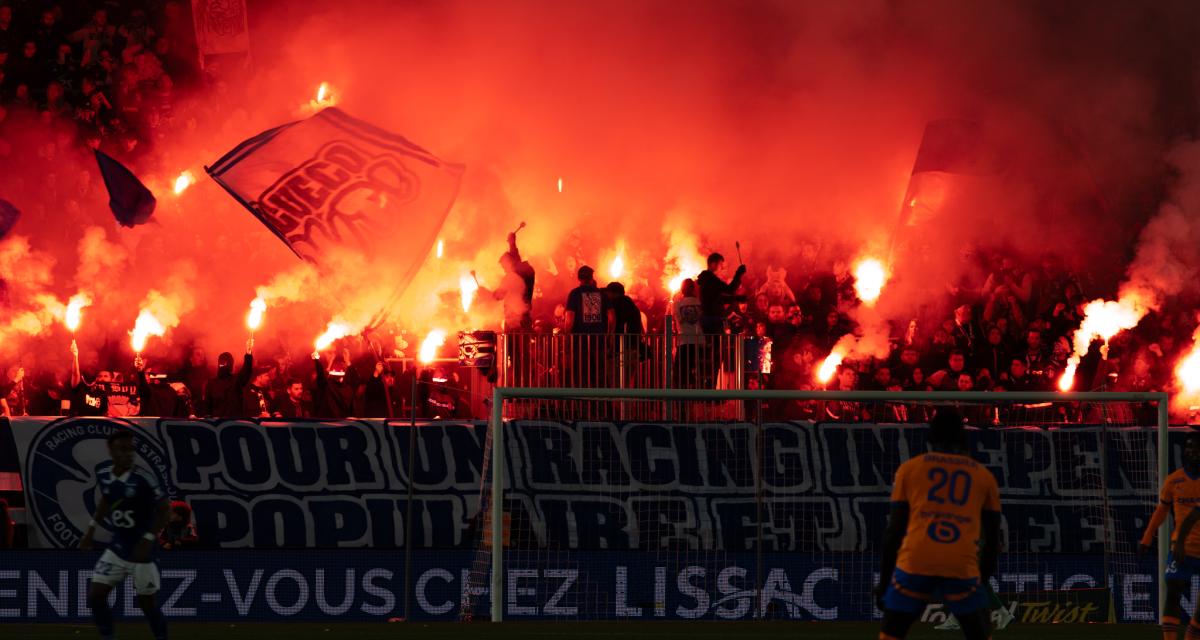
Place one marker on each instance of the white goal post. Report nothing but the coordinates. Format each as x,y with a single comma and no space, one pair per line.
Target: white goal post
502,394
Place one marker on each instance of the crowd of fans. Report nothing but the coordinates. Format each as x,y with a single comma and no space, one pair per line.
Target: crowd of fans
106,76
1008,332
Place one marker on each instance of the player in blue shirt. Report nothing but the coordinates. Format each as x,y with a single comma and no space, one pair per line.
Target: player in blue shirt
137,509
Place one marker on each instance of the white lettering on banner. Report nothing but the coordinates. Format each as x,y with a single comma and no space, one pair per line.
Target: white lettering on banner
386,597
684,582
83,579
1133,594
515,592
1077,581
186,578
346,589
732,594
301,595
6,594
59,601
622,596
423,598
243,602
568,577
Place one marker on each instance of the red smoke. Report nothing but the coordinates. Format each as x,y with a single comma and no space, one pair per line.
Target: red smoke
791,127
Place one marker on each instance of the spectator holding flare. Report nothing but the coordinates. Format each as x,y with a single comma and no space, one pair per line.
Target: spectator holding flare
1178,498
88,399
944,506
516,289
156,397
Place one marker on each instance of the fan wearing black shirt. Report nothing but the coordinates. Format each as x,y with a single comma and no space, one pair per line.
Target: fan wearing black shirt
716,294
88,399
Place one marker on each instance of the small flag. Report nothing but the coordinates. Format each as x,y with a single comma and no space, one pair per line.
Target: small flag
131,202
8,217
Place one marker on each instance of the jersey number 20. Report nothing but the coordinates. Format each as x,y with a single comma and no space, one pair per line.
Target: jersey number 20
954,487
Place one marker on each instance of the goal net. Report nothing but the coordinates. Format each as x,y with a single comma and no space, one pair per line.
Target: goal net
780,513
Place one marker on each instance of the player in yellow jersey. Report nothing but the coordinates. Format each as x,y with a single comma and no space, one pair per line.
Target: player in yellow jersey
1179,498
945,505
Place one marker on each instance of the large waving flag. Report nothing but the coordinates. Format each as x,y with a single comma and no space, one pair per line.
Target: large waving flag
131,202
335,181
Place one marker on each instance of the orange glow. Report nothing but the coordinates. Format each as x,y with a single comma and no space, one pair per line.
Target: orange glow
145,326
254,318
683,260
185,180
1188,371
829,366
1067,380
560,185
441,248
617,268
869,278
467,288
75,310
430,345
326,97
334,331
1102,319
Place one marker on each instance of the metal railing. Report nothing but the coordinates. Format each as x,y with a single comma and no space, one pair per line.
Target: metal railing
626,361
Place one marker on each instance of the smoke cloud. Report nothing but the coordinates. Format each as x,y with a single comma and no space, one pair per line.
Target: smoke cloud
790,127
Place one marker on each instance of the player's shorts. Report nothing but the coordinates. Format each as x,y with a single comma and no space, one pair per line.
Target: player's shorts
112,570
909,593
1183,570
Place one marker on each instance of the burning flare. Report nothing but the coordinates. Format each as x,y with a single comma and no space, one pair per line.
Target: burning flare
683,260
326,97
869,278
145,326
430,346
1188,370
829,366
1102,319
75,310
617,267
185,180
467,288
254,318
441,248
334,331
560,185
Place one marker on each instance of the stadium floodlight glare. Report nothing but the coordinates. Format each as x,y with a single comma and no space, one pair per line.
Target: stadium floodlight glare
1136,412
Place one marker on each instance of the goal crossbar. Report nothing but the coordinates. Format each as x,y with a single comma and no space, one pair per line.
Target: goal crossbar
501,394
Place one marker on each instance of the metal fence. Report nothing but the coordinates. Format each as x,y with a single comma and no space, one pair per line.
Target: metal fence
627,361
